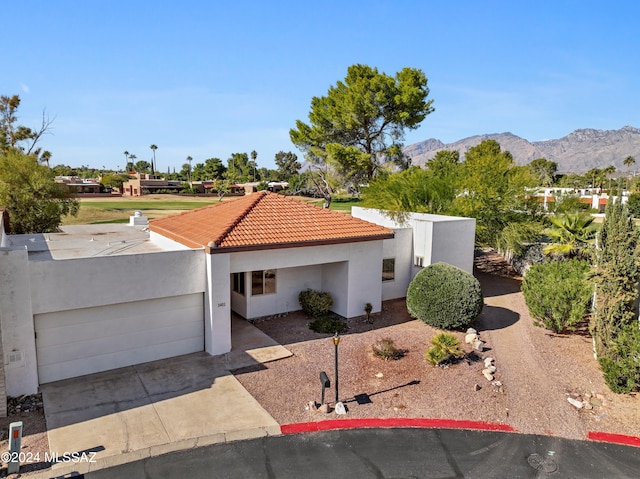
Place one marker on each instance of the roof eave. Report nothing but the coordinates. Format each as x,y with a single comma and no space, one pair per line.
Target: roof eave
296,244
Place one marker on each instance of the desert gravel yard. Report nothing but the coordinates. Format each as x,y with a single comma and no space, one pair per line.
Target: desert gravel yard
538,371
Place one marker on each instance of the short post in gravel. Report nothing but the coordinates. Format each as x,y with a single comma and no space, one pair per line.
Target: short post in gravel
13,456
339,407
336,341
324,381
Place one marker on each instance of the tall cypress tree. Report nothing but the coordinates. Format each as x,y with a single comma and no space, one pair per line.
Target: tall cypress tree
614,324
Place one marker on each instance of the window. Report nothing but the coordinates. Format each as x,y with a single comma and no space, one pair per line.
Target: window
238,283
388,269
263,282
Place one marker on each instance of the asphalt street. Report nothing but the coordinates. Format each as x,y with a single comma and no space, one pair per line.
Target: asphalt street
392,454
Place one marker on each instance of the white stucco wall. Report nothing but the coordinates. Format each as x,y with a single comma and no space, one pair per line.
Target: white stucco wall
365,278
3,236
239,302
349,283
289,283
87,282
449,239
453,242
30,288
335,281
165,243
400,248
18,335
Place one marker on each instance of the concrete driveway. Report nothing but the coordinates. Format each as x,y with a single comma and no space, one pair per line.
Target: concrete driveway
162,406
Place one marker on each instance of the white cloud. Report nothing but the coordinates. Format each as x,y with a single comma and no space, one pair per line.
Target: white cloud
25,88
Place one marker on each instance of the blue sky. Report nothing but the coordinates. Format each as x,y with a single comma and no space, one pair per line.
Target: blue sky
210,78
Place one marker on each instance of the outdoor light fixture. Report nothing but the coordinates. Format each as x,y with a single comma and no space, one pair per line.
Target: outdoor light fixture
336,341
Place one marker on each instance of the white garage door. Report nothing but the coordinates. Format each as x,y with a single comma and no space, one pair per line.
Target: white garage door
84,341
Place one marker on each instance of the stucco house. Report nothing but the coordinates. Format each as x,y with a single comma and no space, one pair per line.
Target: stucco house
98,297
143,183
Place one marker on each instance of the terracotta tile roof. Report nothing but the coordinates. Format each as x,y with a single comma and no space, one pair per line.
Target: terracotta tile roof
263,221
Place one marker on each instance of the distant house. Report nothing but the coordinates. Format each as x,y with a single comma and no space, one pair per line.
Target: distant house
595,198
79,185
99,297
209,187
144,184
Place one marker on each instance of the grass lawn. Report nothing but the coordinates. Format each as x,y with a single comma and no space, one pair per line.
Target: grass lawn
118,210
344,205
144,205
338,204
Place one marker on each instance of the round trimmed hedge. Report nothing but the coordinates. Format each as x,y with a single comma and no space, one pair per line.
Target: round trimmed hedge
445,297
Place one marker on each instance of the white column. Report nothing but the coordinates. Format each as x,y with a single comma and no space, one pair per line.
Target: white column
217,316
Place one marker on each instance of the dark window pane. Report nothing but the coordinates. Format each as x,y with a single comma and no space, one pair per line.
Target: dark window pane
388,269
269,281
256,283
238,283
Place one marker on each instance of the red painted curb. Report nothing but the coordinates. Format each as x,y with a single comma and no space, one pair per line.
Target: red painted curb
615,438
392,422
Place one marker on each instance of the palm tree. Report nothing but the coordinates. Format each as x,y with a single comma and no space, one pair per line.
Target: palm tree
608,171
153,163
126,156
45,157
571,234
254,157
629,161
131,165
189,159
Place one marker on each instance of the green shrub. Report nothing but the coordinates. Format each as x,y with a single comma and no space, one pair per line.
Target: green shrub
368,307
386,349
315,303
444,296
558,293
328,325
634,204
445,347
621,369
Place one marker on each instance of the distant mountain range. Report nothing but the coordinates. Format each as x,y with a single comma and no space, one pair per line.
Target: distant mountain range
577,152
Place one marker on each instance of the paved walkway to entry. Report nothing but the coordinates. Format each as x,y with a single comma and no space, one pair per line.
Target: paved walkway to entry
153,408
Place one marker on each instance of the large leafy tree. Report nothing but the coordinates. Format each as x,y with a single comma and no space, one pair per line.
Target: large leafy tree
240,168
359,125
214,169
114,180
36,204
493,191
634,205
197,173
34,201
287,164
414,189
143,166
21,137
444,164
544,170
